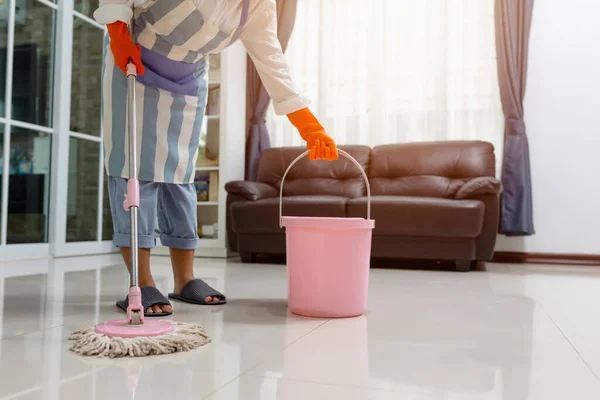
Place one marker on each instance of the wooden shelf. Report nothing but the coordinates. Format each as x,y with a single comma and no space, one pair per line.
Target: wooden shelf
208,242
207,169
208,203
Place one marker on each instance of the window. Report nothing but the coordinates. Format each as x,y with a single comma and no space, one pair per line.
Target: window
392,71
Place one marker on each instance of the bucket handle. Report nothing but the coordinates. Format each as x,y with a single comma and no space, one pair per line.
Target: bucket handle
340,151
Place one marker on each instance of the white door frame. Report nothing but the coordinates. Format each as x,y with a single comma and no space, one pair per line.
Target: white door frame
63,54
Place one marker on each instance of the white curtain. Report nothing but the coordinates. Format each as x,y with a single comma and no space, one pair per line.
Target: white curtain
393,71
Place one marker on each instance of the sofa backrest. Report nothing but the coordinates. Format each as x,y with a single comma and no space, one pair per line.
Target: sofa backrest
339,178
431,169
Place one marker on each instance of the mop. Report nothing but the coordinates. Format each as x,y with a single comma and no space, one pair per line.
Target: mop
135,336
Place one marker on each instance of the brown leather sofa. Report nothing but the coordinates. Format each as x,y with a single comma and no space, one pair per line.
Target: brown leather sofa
436,201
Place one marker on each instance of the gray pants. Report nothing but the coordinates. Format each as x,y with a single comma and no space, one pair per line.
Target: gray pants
173,204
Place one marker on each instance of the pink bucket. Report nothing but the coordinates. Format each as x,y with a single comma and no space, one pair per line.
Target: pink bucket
328,260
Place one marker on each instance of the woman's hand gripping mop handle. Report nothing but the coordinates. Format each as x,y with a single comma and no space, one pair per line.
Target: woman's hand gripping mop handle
135,311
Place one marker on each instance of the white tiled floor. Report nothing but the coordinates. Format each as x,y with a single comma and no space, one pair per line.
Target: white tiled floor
511,333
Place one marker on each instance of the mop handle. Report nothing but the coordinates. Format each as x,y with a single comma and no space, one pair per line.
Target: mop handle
340,151
132,198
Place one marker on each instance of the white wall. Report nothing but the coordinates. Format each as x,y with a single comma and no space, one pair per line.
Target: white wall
562,114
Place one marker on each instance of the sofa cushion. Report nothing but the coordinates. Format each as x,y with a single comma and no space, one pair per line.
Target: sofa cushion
431,169
339,178
251,190
421,216
262,216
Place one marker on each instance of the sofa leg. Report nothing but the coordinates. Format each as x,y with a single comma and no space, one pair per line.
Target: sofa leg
248,258
463,265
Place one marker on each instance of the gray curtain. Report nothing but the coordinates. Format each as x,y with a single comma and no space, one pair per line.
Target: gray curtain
513,23
258,99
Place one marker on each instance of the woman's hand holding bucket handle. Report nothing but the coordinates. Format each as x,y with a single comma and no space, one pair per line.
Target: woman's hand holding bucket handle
320,144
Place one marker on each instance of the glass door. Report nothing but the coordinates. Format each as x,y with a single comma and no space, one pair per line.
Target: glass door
52,187
27,58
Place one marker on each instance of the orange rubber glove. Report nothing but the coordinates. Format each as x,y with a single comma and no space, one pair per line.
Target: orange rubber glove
320,144
123,48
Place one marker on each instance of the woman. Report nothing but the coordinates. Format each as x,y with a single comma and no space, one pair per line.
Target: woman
169,47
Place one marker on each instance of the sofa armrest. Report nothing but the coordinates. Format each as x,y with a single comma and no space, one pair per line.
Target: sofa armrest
251,191
479,187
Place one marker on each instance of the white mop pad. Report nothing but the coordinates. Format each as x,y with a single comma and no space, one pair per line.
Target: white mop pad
184,337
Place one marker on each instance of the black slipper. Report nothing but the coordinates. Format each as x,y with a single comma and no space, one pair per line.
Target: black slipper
196,291
151,296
